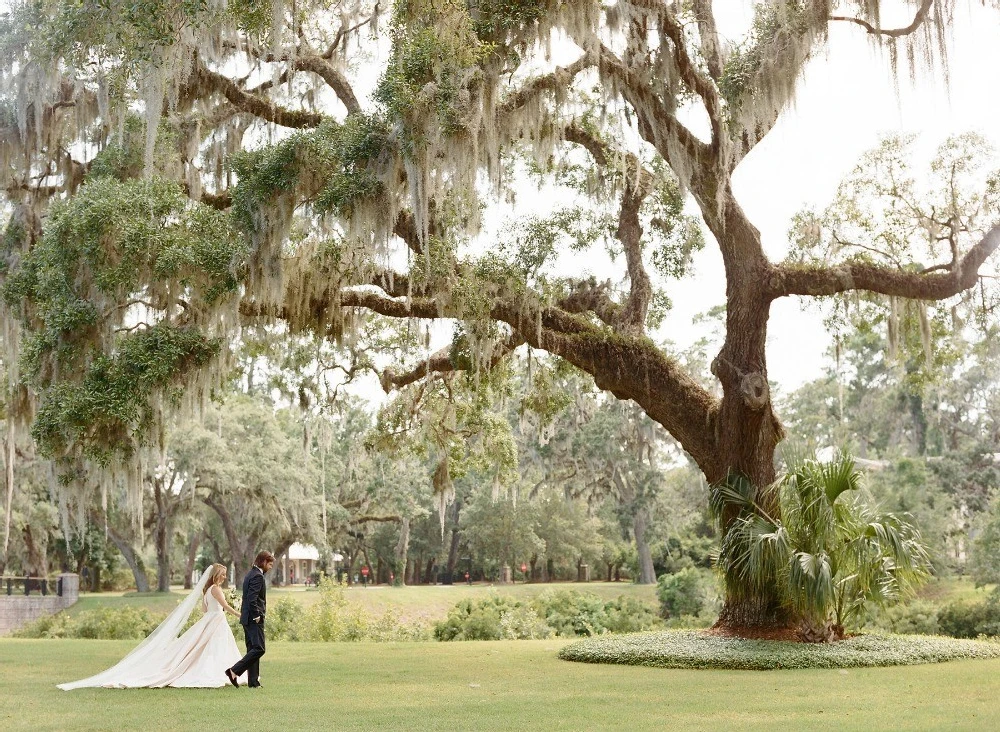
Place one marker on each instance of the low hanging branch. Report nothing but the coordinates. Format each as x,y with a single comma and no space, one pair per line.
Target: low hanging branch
918,19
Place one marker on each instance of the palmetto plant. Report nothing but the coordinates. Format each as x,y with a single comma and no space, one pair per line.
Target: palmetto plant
831,553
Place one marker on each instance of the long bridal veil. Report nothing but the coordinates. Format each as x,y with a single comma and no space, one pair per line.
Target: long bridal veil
153,647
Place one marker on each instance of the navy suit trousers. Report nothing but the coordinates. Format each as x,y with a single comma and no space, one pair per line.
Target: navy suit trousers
254,635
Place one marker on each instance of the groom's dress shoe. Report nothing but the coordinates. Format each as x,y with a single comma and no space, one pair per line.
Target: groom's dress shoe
232,677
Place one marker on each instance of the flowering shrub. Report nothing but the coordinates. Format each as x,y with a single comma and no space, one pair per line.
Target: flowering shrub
694,650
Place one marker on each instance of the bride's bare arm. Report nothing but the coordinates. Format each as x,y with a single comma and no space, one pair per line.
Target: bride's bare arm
217,591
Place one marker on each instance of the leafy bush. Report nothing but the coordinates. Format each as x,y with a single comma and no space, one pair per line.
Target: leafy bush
680,593
629,615
105,623
495,617
573,613
284,618
694,650
971,619
570,613
919,617
554,612
334,618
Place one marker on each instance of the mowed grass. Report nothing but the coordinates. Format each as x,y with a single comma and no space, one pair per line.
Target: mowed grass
420,602
516,685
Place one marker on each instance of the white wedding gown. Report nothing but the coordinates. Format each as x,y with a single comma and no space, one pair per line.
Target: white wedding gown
198,658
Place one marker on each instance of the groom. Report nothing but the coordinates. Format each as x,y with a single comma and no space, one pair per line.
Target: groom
252,620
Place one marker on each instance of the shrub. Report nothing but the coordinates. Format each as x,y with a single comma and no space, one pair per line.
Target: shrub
919,617
971,619
494,617
680,593
570,613
284,619
694,650
831,554
119,580
104,623
629,615
332,618
562,613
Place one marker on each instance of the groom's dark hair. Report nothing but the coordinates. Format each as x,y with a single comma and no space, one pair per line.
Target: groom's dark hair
264,556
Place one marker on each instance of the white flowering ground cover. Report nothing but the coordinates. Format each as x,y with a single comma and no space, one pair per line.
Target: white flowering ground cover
686,649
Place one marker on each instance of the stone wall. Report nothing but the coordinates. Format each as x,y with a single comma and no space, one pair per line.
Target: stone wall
18,610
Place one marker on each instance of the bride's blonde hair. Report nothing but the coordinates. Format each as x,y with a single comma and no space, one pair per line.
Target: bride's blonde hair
217,578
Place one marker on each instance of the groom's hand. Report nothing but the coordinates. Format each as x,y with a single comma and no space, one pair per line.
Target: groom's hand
257,619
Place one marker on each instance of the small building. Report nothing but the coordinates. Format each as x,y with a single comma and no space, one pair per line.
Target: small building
299,562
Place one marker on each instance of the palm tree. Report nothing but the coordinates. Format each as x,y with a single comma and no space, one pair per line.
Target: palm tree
830,552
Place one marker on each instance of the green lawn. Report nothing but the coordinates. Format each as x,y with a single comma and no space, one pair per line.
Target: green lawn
517,685
428,602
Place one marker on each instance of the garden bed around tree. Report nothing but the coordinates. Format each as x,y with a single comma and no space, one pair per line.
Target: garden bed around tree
687,649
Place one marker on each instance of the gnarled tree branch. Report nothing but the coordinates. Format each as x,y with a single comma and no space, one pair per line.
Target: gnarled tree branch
918,19
443,362
252,104
929,285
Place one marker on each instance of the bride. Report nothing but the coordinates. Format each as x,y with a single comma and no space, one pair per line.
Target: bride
195,659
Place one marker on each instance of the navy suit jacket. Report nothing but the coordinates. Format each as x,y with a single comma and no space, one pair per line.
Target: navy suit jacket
254,597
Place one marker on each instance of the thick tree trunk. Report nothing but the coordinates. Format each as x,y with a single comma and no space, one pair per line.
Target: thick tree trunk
162,536
349,567
241,548
428,576
37,561
277,578
402,549
8,506
132,559
194,541
453,547
915,404
162,556
747,430
647,575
